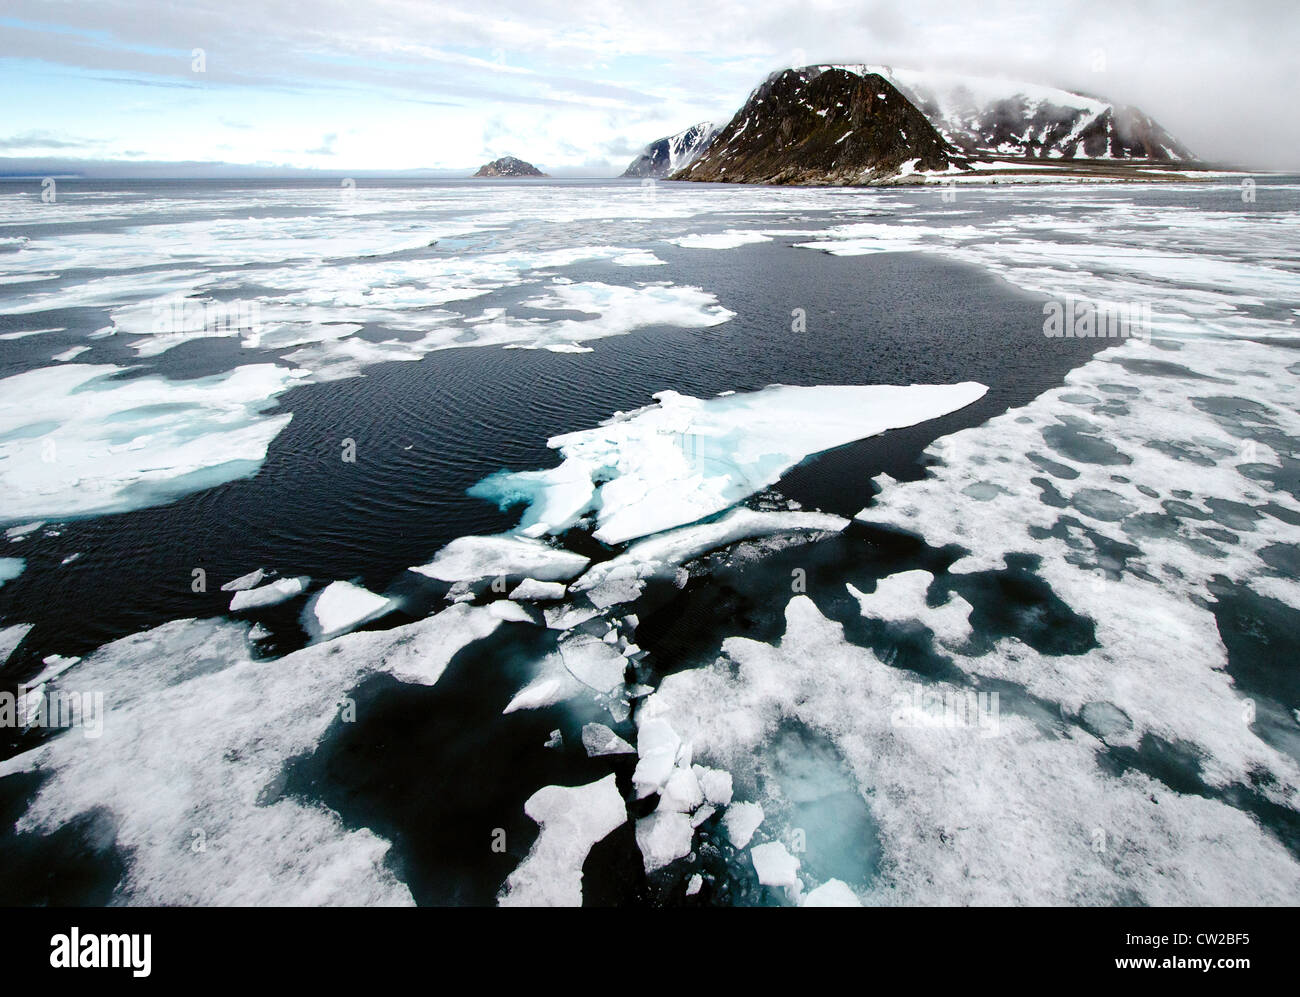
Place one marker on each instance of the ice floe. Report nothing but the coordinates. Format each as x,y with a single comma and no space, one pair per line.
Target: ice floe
270,594
532,590
78,439
10,638
684,459
198,737
832,893
597,739
474,558
572,819
622,578
663,837
946,802
719,240
247,581
340,607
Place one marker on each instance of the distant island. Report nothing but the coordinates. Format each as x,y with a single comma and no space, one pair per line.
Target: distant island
509,166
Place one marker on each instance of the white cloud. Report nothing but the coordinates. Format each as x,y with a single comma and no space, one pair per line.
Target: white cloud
404,84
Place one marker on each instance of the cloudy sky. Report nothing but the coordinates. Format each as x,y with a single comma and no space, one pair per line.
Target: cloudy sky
578,88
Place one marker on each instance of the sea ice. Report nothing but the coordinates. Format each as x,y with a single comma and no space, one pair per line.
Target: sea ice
271,594
340,607
201,734
741,821
532,590
474,558
572,819
684,459
920,777
720,240
776,866
244,581
10,638
592,662
620,579
76,439
832,893
663,837
596,738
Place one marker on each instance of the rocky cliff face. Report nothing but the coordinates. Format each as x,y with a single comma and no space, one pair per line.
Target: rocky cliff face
822,125
509,166
986,118
863,124
673,153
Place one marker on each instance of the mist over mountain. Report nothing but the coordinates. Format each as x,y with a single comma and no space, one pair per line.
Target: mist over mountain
865,124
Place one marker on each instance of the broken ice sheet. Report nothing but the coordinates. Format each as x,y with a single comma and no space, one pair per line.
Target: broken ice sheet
683,459
76,440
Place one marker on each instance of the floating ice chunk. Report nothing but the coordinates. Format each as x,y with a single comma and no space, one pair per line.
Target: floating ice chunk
422,659
663,837
702,814
618,585
592,661
567,617
11,568
76,440
832,893
776,866
540,693
18,532
69,355
921,776
720,240
681,792
509,612
551,683
741,821
617,309
600,740
271,594
572,819
11,637
715,784
684,459
473,558
694,884
532,590
55,665
24,333
610,582
245,581
901,597
658,746
340,607
638,258
171,767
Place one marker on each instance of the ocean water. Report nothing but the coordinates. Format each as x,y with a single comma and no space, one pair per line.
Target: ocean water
201,380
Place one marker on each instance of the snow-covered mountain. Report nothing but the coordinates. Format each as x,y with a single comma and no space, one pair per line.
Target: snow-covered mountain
865,124
985,117
822,125
676,152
